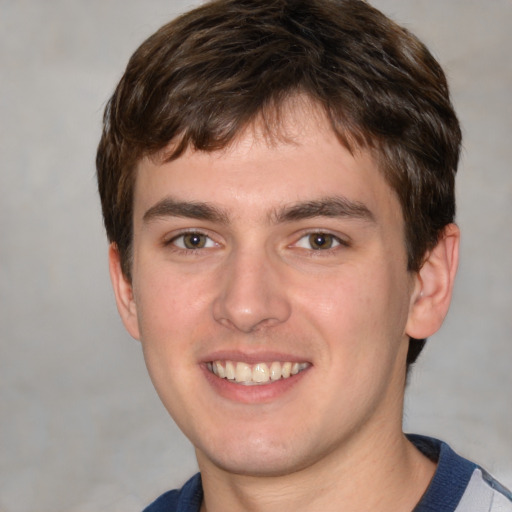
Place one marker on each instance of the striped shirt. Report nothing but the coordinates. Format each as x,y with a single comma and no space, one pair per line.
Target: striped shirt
458,485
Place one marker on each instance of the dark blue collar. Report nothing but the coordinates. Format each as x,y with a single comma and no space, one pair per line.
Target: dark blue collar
442,495
450,479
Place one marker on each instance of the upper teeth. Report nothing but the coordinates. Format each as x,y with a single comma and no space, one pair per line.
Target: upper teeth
255,374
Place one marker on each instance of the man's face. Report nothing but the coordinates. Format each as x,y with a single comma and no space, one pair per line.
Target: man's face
259,261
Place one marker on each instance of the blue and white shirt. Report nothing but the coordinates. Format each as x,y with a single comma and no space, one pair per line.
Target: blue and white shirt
458,486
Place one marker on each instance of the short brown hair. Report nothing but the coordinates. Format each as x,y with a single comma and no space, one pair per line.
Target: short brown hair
204,77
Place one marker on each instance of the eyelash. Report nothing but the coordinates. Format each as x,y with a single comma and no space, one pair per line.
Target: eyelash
339,242
172,242
210,243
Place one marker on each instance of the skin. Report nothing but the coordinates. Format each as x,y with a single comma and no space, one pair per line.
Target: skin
258,291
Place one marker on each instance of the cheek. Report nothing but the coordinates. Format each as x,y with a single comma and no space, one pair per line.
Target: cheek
343,298
169,308
358,306
169,314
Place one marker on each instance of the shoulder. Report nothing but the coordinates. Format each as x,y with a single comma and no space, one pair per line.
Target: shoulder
484,491
458,484
186,499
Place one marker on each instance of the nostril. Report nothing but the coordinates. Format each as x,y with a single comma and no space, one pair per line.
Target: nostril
251,293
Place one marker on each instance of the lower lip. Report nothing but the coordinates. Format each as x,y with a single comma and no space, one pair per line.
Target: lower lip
259,393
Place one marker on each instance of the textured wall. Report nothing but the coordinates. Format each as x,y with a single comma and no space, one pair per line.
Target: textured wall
81,428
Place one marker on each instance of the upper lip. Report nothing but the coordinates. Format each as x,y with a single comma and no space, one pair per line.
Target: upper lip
253,356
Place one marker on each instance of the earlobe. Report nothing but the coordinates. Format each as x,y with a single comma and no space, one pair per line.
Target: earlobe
434,282
123,292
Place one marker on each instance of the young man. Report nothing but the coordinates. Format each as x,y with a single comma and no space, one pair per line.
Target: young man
277,184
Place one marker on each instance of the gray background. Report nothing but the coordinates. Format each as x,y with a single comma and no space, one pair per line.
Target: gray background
81,428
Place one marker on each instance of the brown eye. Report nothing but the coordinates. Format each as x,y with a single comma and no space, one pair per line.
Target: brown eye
319,241
192,241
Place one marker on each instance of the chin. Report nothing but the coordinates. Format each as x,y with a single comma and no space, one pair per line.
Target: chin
258,456
255,465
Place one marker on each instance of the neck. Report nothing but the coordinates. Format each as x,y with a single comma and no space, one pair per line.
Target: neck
388,474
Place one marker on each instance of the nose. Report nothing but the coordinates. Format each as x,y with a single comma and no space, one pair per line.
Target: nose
252,295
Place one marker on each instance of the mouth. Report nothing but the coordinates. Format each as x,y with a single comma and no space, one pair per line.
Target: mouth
255,374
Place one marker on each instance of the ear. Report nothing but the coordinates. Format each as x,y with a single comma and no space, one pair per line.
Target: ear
123,292
433,287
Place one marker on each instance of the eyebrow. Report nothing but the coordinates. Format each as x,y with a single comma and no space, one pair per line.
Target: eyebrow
324,207
169,207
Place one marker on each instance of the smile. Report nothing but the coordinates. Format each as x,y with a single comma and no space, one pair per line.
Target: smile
254,374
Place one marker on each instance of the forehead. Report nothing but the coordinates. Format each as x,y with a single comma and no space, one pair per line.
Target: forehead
298,158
